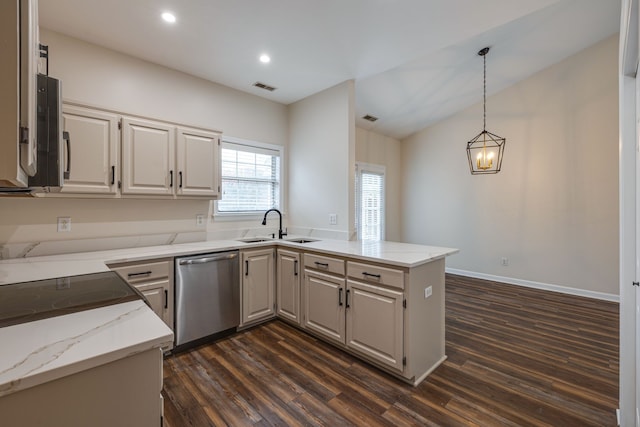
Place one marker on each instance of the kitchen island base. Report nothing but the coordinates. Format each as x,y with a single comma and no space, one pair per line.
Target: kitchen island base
125,392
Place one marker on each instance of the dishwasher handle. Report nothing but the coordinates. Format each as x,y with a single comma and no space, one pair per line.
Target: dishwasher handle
205,260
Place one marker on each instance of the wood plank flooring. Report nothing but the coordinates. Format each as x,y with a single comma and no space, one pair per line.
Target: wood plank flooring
516,357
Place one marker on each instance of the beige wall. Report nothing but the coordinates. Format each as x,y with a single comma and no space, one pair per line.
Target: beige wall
100,77
322,162
377,149
553,209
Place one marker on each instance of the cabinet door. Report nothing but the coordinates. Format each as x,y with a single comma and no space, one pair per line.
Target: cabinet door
148,157
257,285
157,295
288,285
375,322
324,298
198,156
94,151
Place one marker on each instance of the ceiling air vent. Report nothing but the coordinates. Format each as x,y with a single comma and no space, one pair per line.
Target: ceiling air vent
370,118
264,86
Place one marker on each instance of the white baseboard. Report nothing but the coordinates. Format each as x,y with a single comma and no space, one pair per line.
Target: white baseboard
537,285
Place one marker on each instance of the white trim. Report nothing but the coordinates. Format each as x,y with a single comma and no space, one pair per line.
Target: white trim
537,285
250,143
422,377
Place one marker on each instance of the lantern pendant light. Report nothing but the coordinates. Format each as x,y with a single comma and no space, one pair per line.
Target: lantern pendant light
486,149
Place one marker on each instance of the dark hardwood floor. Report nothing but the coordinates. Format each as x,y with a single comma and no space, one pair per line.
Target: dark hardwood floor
516,357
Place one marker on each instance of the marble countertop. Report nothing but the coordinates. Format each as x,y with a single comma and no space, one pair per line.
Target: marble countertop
37,268
37,352
40,351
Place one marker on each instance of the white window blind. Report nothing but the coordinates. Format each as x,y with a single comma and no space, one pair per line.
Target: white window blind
370,202
250,178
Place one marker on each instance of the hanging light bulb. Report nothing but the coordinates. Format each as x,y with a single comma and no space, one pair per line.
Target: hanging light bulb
486,144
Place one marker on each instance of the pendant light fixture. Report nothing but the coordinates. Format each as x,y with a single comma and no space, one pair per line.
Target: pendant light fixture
485,150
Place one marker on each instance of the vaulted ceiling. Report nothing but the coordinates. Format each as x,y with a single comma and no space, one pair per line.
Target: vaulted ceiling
414,62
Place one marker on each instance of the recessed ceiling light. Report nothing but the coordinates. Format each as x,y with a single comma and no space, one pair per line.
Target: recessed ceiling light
169,17
265,59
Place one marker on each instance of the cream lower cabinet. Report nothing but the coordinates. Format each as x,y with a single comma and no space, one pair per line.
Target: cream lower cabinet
375,322
362,309
324,308
257,285
154,280
92,155
288,285
125,392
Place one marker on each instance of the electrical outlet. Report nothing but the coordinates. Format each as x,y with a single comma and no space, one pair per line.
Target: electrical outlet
333,219
504,261
428,291
64,224
63,283
200,220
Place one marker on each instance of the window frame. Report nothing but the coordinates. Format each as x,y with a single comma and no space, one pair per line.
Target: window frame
361,168
250,215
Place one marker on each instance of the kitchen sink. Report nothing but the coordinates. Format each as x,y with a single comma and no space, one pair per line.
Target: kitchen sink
301,240
255,239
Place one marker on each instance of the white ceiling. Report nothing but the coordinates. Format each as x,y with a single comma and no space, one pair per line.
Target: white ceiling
414,61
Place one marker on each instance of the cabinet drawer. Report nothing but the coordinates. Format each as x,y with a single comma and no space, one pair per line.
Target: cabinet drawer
323,263
136,273
376,274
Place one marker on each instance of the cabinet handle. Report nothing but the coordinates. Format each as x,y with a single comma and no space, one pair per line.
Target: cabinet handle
67,139
246,267
295,267
322,264
340,297
166,299
347,299
375,276
113,175
142,273
180,176
170,179
206,260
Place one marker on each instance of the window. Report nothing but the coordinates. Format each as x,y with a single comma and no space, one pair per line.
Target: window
250,177
370,201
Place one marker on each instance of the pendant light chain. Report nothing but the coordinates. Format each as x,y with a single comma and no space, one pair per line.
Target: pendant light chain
484,98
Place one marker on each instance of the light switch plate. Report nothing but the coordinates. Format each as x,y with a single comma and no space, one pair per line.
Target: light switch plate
428,291
64,224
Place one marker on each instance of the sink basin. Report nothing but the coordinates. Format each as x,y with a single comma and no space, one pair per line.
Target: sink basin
255,239
301,240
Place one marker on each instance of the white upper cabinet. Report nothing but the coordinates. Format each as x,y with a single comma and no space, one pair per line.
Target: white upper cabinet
93,157
198,154
148,157
124,156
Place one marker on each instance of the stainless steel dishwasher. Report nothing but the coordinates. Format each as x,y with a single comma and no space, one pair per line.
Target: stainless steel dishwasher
207,295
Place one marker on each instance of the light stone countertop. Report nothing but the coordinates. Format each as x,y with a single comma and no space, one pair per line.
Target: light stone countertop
37,352
45,350
46,267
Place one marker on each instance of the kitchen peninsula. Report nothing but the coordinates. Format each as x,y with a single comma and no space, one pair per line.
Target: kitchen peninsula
406,279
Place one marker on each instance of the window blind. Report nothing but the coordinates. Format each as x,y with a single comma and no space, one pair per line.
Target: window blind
370,204
250,178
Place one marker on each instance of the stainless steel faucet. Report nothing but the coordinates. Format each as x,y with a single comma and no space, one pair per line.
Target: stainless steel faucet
281,234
